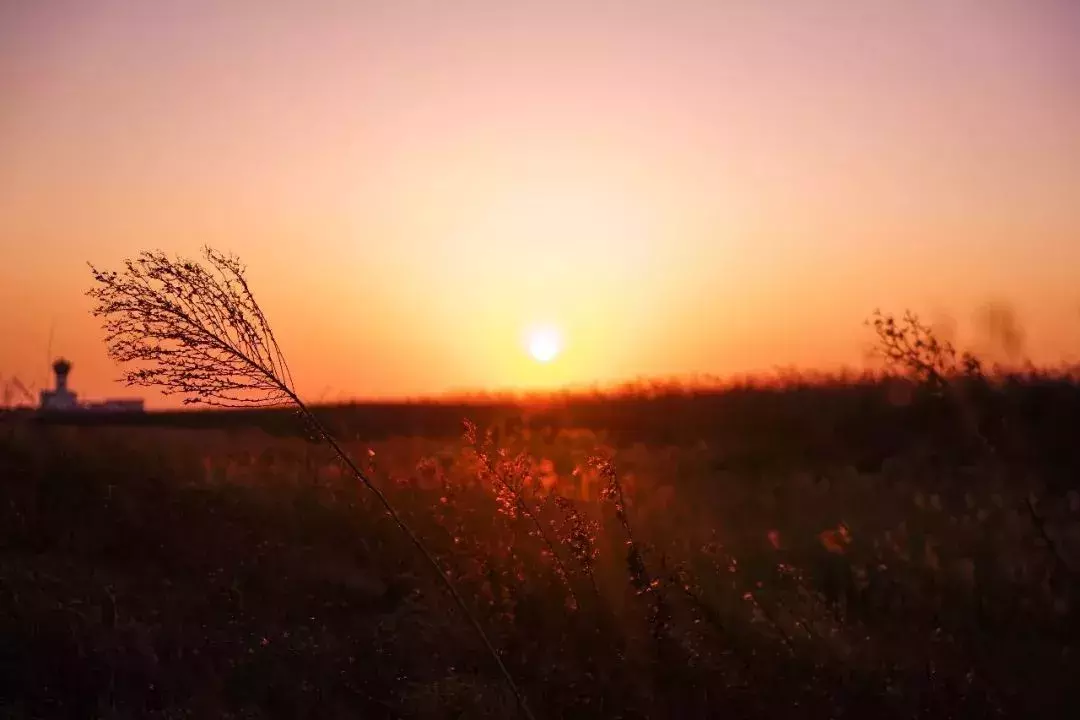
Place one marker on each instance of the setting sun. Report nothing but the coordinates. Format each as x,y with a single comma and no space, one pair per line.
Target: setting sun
545,343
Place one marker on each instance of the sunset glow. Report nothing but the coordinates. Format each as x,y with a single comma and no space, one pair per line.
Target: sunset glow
688,186
545,344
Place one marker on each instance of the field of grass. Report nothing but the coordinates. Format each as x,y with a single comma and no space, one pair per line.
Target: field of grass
868,548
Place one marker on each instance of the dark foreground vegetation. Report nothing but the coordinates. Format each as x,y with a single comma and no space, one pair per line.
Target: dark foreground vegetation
904,547
898,547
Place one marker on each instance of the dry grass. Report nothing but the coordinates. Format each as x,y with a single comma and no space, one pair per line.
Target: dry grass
161,571
894,546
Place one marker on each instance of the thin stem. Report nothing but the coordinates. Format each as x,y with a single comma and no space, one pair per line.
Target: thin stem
419,544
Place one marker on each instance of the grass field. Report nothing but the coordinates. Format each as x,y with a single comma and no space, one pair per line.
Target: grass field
822,550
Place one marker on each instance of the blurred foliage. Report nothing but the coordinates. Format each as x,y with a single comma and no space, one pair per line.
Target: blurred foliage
886,546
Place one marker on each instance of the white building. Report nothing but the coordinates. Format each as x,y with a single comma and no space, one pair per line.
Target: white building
63,399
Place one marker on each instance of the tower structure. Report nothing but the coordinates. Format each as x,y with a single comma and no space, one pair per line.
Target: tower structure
59,398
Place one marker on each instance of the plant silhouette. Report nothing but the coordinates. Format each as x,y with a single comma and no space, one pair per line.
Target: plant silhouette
195,330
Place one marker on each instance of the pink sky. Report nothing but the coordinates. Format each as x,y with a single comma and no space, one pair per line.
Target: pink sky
680,187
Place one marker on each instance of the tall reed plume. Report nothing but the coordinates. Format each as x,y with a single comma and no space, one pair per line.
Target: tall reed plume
195,330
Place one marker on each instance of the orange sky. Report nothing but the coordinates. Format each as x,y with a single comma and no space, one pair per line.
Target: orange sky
681,187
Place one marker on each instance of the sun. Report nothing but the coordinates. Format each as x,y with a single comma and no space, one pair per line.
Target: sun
545,343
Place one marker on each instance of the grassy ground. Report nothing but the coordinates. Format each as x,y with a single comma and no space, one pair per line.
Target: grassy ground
834,550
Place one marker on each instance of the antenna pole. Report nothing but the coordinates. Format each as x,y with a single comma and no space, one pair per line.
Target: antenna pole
49,360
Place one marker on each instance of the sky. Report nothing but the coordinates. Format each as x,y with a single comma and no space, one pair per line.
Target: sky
675,186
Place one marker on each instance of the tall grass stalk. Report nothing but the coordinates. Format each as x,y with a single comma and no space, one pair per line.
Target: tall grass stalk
196,330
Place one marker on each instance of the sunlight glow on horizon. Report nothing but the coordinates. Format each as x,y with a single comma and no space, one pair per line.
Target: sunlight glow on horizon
545,343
